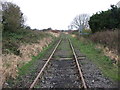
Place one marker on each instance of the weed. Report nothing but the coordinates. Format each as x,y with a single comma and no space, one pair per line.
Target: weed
97,56
25,68
30,67
106,38
11,41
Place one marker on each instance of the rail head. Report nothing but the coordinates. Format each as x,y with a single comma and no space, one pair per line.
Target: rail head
76,60
78,66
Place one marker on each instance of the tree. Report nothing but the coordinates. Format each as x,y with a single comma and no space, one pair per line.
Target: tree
49,28
28,27
12,17
80,22
105,20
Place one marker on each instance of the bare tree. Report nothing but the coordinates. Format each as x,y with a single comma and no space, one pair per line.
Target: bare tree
80,22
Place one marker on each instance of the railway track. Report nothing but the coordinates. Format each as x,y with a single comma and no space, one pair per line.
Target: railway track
60,72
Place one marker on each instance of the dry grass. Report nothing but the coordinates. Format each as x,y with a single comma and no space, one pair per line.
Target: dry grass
110,53
11,62
107,38
108,41
55,34
96,55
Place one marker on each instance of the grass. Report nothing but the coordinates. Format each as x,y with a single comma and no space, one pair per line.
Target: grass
86,31
30,67
12,40
25,68
95,55
107,38
1,32
64,48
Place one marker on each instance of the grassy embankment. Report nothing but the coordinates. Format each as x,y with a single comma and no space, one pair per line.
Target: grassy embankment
30,67
0,39
108,39
104,63
25,68
0,31
11,41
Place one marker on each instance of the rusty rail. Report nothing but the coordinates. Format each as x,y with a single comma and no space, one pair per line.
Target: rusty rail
41,71
78,66
50,57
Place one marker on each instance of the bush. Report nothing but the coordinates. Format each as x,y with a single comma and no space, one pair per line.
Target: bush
12,40
107,38
104,20
12,17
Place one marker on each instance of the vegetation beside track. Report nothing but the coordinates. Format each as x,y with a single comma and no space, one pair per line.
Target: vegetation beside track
104,63
19,41
31,67
25,68
13,40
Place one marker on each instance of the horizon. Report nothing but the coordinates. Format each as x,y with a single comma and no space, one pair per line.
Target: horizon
43,14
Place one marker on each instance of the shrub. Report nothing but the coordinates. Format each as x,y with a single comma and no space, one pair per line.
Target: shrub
12,17
107,38
104,20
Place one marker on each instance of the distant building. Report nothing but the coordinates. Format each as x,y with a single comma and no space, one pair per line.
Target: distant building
118,4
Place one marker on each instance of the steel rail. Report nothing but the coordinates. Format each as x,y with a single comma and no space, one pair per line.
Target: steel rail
41,71
78,66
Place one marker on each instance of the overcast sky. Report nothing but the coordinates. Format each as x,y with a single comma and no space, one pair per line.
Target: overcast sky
58,14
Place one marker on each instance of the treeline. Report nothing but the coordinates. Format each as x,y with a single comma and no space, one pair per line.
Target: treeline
105,20
14,31
12,17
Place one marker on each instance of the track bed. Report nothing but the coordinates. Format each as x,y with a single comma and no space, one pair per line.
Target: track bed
61,74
